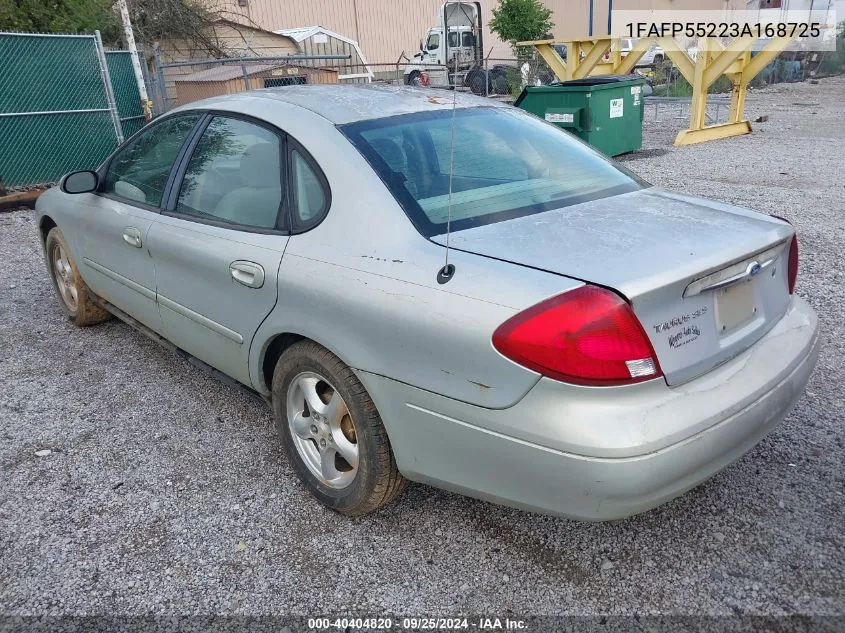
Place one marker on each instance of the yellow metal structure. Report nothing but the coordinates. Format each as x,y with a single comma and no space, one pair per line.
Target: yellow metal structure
599,56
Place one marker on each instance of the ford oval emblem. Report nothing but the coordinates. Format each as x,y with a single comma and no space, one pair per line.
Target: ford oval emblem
754,268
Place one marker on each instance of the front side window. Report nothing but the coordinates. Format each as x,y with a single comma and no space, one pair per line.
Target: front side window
234,175
506,164
433,42
139,172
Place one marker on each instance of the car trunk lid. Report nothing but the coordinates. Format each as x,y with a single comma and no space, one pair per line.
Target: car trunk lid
705,279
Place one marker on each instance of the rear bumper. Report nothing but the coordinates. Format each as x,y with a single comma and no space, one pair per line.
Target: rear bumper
596,453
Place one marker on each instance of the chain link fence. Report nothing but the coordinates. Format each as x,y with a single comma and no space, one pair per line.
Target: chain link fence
126,95
178,83
66,103
493,77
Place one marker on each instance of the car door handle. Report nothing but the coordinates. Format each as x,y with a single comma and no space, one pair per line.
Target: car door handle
249,274
132,236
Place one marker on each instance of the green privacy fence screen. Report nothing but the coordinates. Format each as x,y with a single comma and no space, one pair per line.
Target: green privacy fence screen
58,111
126,95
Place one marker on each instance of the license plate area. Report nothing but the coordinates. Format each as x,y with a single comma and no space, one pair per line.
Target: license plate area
735,306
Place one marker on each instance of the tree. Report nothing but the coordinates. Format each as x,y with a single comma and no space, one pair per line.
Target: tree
59,16
190,21
520,20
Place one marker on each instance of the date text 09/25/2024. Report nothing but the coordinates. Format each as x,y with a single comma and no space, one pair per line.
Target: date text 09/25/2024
418,624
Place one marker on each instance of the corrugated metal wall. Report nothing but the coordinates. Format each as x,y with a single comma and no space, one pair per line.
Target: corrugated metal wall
233,39
386,28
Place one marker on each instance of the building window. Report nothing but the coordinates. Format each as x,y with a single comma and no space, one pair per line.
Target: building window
276,82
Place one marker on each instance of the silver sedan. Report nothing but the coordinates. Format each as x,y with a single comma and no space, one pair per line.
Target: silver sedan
456,294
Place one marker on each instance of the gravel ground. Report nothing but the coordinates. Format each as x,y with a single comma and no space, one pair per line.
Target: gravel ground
166,491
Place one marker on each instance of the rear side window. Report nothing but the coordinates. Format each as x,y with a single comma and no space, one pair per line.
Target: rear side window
309,196
139,171
234,175
506,164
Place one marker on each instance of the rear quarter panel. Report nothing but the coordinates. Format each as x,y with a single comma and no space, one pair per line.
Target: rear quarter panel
387,316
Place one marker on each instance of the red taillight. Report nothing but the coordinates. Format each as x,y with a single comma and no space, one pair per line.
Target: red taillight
792,271
588,336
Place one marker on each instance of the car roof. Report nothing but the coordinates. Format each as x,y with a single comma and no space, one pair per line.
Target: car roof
352,102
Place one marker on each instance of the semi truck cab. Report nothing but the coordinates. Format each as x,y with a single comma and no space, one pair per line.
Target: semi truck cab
449,50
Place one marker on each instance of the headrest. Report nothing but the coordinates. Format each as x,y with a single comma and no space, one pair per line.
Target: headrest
260,166
390,153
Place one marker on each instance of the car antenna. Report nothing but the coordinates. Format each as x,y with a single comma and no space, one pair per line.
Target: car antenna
448,271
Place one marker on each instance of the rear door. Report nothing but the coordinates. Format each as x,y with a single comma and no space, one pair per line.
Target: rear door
218,244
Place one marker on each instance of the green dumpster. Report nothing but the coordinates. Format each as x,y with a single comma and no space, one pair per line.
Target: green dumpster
606,111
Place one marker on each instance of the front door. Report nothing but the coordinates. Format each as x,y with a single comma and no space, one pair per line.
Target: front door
432,54
218,247
113,227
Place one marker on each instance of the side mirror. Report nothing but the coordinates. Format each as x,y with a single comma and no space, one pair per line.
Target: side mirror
80,182
422,48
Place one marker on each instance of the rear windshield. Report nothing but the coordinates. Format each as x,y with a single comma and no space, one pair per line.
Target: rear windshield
507,164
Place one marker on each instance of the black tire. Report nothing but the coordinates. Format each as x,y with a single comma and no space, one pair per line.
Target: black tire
82,311
546,77
413,78
377,480
478,83
499,80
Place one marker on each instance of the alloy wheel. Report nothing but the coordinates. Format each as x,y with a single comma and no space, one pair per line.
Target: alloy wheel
322,430
65,281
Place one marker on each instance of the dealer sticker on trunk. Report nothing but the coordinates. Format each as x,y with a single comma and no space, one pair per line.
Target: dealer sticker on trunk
616,106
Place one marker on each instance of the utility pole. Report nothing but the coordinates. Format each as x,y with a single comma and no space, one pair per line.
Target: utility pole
129,36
